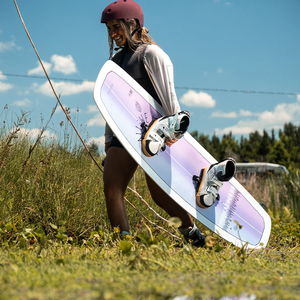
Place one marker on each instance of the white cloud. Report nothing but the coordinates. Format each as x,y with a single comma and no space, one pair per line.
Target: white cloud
246,113
5,86
6,46
22,103
232,114
226,115
65,88
201,99
282,113
38,70
35,132
63,64
97,120
92,109
60,64
99,141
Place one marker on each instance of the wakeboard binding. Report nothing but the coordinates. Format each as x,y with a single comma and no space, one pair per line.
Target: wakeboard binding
162,129
210,180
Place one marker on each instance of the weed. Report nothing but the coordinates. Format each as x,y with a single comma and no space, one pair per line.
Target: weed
55,241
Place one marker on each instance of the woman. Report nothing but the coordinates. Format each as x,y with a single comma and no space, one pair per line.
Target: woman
150,66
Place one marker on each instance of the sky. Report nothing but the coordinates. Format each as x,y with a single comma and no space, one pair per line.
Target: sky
224,52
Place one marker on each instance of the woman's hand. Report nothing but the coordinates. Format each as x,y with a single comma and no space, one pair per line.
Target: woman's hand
170,142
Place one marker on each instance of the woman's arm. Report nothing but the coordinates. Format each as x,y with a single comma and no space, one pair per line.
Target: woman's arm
160,70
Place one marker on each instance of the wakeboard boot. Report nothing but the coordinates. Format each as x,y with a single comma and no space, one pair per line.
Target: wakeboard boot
210,181
163,129
193,235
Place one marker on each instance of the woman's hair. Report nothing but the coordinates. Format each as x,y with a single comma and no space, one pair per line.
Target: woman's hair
140,35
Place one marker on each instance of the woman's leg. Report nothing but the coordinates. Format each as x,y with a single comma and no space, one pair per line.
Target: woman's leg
187,228
119,168
168,204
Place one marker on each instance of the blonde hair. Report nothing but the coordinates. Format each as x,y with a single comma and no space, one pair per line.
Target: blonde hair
141,35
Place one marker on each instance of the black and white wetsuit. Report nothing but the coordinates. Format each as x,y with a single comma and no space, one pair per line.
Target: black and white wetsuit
152,68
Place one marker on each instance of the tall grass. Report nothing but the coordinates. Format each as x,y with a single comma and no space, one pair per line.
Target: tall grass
55,241
275,191
60,187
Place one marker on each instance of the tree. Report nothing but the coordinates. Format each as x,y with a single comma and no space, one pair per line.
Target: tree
229,147
264,147
279,155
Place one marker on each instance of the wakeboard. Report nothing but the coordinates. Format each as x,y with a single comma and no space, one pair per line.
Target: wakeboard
126,106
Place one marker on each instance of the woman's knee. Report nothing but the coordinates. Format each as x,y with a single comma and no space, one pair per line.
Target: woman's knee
113,193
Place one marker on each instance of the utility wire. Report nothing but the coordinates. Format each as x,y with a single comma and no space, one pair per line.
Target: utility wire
177,87
41,77
239,91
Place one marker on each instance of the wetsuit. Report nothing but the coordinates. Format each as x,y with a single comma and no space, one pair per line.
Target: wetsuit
151,67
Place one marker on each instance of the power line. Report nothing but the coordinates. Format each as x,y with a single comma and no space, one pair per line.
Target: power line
239,91
41,77
177,87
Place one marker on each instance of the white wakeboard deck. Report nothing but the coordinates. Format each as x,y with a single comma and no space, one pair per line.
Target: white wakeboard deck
125,105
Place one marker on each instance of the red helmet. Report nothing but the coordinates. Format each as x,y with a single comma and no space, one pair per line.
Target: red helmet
123,9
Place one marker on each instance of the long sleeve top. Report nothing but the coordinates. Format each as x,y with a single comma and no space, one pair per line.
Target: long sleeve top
159,69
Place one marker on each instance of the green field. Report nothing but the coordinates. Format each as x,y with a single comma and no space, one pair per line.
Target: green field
157,267
55,241
130,270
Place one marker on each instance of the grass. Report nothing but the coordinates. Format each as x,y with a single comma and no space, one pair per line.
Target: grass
55,241
131,270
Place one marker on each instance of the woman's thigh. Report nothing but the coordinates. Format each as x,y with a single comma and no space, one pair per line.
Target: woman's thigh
119,168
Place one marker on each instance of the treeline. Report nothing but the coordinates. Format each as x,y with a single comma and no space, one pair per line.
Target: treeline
281,148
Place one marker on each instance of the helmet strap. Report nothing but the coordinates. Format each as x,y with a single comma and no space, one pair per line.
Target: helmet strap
135,31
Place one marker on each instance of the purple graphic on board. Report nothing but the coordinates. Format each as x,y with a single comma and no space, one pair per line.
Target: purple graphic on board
177,164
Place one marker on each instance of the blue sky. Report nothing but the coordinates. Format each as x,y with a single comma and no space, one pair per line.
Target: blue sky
214,44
